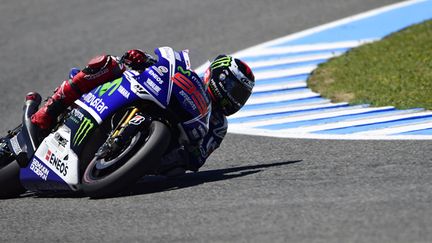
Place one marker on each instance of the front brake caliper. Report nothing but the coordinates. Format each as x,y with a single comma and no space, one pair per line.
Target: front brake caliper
122,136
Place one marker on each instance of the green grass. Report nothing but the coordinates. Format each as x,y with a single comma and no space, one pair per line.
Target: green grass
395,71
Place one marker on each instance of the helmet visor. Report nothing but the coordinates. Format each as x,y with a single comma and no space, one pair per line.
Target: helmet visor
236,94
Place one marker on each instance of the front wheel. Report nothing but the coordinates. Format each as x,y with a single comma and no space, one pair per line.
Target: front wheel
106,176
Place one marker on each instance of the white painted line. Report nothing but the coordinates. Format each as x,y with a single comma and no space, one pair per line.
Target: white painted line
357,122
292,60
349,110
280,86
269,111
278,134
331,25
399,129
284,73
281,97
300,48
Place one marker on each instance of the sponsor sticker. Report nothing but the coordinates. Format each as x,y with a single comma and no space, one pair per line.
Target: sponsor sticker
153,86
39,169
60,140
184,72
95,102
139,89
155,76
15,145
109,86
191,89
161,70
76,115
137,120
221,62
84,128
57,163
123,91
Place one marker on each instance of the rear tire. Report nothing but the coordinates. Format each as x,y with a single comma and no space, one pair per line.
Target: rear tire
10,185
104,178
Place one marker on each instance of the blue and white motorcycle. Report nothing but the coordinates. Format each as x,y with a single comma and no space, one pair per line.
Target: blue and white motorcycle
112,136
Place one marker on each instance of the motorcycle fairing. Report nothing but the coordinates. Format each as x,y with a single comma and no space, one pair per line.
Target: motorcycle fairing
54,166
171,77
190,92
38,177
102,101
152,84
156,79
57,155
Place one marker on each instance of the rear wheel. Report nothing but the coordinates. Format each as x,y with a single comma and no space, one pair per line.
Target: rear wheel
108,175
10,185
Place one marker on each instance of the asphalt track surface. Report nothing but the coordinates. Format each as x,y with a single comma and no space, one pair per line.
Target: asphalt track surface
253,189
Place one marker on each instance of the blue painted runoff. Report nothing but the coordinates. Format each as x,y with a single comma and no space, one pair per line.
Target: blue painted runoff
376,26
284,79
276,115
291,54
326,120
427,131
286,103
279,67
279,92
378,125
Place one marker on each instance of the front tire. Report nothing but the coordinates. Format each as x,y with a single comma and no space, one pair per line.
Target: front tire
103,178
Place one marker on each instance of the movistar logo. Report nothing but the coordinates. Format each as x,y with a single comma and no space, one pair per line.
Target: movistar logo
180,69
221,62
113,86
84,128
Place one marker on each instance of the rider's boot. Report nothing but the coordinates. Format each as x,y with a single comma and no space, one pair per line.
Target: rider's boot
63,97
174,163
99,70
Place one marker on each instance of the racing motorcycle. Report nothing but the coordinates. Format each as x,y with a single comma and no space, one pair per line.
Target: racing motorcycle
112,136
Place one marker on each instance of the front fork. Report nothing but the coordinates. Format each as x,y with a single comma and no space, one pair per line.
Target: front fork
131,122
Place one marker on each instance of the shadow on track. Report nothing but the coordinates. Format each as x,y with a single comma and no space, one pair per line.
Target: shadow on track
155,184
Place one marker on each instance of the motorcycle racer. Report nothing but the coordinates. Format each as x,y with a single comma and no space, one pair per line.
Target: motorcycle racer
229,81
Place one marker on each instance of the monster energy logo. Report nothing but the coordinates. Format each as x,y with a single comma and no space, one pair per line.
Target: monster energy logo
221,62
109,85
84,128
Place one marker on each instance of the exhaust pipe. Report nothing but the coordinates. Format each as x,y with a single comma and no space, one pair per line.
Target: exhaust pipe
30,131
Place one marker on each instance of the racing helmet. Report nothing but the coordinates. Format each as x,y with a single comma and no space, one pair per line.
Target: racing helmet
230,82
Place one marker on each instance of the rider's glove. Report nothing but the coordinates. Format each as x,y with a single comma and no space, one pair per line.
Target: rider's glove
137,60
73,72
